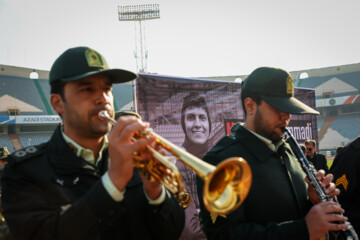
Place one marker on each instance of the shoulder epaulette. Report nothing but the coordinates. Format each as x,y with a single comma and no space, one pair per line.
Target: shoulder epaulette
223,143
27,153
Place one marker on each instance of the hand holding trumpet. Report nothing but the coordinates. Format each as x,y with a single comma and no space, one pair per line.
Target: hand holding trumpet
121,152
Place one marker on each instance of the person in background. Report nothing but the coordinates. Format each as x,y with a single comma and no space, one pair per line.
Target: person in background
280,205
318,160
303,149
338,149
82,183
346,171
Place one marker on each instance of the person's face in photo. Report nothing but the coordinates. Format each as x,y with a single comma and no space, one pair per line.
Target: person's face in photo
197,125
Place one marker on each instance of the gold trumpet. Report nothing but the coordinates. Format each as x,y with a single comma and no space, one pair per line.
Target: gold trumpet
225,186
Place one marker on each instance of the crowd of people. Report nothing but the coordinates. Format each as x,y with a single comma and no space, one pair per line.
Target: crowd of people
82,183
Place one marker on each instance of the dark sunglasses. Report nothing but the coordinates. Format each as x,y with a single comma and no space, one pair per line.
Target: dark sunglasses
309,149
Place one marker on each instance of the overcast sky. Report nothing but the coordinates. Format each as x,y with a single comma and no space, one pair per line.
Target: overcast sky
191,38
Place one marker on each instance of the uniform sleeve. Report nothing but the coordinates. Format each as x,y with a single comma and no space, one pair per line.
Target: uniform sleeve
345,168
32,214
166,220
237,225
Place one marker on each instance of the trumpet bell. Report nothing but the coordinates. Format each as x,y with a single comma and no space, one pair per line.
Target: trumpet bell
227,186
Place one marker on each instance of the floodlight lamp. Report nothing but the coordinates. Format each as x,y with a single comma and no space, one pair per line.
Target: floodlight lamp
139,12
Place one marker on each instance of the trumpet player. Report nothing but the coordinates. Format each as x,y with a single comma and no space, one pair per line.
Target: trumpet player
81,184
280,205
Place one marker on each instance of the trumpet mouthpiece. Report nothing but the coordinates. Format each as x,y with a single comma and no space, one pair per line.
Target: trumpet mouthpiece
104,115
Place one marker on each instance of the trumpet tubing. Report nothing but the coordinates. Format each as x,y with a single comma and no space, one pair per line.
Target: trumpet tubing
225,186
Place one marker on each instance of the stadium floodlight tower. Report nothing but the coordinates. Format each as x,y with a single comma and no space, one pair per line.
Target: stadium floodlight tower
138,14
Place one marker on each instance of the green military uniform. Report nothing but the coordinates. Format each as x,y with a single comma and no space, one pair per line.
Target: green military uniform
277,202
51,193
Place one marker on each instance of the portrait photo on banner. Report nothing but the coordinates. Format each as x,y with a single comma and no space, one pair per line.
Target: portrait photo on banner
195,114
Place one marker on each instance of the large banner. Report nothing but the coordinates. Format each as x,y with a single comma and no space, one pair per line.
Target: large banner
195,114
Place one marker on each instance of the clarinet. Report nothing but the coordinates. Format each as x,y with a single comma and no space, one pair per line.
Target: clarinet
310,172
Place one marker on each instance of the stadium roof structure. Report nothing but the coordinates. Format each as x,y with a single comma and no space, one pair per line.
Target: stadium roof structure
336,85
9,102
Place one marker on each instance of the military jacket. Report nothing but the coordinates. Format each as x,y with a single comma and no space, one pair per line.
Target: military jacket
50,193
277,201
346,171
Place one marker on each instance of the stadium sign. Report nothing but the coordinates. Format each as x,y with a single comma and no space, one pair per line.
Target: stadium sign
34,119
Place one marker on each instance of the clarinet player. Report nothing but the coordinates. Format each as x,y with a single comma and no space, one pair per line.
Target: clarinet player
280,204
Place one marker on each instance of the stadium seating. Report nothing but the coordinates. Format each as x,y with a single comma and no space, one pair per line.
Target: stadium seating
347,125
45,87
320,121
123,94
6,142
29,139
